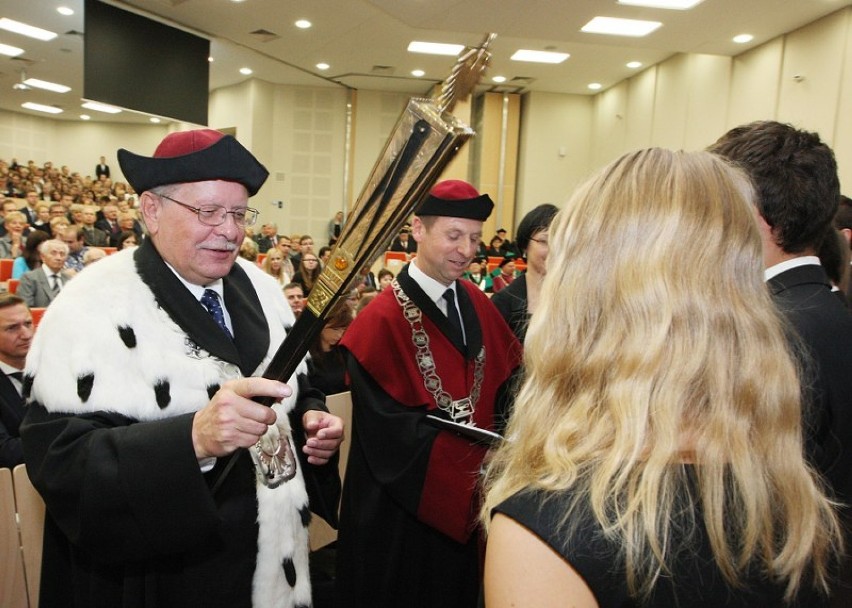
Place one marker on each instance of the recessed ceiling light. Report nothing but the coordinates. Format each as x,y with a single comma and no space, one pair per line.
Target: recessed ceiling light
154,120
680,5
101,107
539,56
64,10
47,86
323,66
11,51
418,73
38,107
743,38
634,64
499,79
435,48
26,30
595,86
303,24
620,27
245,71
85,117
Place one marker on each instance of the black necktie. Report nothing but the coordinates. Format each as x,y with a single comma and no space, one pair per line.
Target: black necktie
453,312
57,285
19,376
210,300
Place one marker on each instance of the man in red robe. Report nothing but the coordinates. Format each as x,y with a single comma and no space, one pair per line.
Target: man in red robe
430,345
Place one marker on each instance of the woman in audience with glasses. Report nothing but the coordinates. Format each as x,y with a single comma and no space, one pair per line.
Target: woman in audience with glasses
517,301
656,457
308,272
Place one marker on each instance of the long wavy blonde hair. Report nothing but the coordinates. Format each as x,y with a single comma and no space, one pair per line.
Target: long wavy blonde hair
656,344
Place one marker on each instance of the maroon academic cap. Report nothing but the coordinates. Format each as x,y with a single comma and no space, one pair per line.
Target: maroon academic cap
193,156
457,198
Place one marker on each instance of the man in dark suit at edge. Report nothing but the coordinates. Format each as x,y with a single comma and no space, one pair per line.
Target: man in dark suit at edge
795,177
16,334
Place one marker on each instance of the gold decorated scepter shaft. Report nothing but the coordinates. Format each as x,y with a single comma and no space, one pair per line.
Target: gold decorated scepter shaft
425,139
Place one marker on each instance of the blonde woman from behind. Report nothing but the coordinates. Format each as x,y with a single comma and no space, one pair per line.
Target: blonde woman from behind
657,449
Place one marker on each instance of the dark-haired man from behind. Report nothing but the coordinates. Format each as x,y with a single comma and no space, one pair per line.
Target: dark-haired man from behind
795,177
16,334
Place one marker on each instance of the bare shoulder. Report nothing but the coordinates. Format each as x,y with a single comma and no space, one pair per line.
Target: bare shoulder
522,570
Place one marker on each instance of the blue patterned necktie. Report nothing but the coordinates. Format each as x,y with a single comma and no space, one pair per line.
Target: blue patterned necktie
210,300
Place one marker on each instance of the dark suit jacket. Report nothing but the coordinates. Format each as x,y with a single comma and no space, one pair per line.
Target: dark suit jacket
102,170
409,247
95,237
35,288
11,415
264,243
104,225
825,327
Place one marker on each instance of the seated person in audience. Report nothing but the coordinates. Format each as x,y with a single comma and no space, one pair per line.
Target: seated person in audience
478,275
248,250
284,246
385,278
57,210
519,300
30,259
127,222
92,255
77,248
8,206
40,287
76,213
308,272
306,245
367,295
109,223
324,254
505,274
404,243
42,221
495,248
326,366
268,237
295,297
16,334
127,240
273,265
12,243
58,226
93,236
508,246
657,447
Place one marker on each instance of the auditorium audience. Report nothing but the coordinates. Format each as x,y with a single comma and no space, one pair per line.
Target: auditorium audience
127,240
385,278
658,460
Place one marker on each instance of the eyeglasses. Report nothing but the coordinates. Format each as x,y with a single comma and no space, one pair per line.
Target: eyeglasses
310,260
214,215
542,242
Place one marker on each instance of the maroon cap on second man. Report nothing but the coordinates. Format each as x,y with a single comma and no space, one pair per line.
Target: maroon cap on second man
456,198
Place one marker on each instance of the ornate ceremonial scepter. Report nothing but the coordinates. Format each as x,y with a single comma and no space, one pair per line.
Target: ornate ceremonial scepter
425,139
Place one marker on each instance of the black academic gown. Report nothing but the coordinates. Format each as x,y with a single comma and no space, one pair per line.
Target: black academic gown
389,553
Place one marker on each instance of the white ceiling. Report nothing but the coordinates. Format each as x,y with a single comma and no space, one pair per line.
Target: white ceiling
365,41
